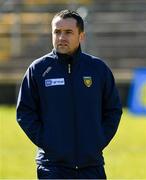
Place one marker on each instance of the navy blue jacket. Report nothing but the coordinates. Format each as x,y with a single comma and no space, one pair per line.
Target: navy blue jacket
70,112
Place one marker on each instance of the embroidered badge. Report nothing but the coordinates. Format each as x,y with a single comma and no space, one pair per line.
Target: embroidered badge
54,82
87,81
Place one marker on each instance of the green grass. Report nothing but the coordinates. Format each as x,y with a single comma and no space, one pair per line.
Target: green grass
17,153
125,157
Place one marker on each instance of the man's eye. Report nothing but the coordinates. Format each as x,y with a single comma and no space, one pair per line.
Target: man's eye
56,32
68,32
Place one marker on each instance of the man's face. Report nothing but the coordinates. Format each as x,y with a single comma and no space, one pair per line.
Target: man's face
65,35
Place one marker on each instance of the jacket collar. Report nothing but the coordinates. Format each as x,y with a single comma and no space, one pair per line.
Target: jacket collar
68,59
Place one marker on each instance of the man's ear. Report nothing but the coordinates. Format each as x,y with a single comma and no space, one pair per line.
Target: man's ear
82,36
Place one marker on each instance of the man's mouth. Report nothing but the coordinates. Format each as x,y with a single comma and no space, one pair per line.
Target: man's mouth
62,44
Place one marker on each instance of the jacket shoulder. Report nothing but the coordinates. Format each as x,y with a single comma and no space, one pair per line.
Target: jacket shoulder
39,66
95,61
46,59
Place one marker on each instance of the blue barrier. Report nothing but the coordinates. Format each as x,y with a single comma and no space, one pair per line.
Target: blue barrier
137,93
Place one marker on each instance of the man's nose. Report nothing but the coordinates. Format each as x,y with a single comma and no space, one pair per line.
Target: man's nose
62,36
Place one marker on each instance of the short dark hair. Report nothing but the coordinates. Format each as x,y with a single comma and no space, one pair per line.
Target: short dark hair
71,14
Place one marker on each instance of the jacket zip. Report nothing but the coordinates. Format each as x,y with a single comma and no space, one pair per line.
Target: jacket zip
74,113
69,68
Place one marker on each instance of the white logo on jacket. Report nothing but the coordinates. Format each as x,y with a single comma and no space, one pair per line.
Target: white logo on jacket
54,82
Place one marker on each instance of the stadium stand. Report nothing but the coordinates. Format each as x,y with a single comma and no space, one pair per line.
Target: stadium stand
116,32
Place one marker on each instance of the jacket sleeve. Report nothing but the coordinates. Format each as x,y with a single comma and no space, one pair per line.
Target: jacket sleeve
111,107
27,111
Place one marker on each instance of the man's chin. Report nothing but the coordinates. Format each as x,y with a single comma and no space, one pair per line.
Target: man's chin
63,51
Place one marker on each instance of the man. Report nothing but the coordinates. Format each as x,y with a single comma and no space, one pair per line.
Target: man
68,105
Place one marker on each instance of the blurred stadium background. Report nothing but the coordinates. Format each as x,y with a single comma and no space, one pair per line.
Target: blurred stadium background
115,32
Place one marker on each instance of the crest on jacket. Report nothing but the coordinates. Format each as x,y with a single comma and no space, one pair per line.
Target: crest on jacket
87,81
